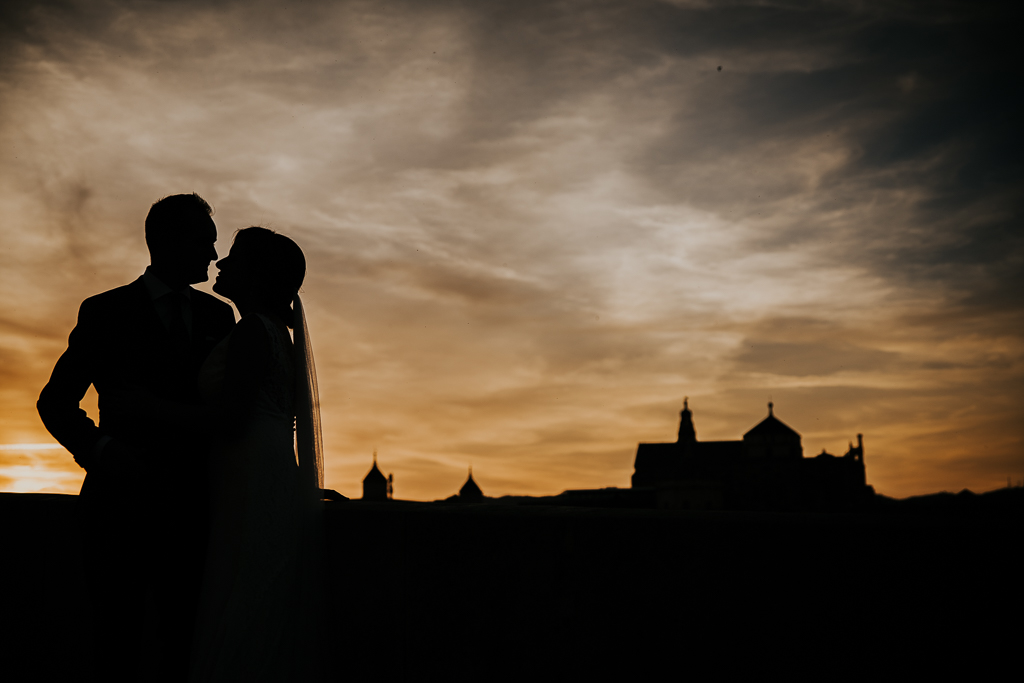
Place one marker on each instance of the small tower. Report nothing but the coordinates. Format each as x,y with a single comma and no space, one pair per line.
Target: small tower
856,454
375,484
470,492
687,434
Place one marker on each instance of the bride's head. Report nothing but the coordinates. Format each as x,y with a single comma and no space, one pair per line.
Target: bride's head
262,272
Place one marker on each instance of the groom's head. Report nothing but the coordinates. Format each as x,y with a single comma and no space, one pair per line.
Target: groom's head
180,234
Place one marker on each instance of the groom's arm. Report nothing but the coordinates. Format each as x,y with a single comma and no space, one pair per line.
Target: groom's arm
59,402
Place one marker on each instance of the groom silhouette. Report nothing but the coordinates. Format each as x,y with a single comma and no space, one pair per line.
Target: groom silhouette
143,502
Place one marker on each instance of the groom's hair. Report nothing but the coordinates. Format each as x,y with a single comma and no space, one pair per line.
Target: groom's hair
171,214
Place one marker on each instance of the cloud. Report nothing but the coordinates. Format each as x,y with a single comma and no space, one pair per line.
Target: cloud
532,228
802,360
33,469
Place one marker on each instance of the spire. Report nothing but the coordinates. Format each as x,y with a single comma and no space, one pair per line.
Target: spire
375,484
471,491
770,406
687,434
374,475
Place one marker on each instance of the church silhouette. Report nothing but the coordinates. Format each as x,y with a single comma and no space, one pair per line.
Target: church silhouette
766,470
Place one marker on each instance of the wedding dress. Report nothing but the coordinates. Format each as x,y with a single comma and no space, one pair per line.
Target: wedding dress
260,604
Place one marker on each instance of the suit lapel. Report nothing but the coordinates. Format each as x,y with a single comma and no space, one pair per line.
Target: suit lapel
142,323
200,325
146,320
206,328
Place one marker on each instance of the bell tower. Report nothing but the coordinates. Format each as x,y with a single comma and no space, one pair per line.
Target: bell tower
687,434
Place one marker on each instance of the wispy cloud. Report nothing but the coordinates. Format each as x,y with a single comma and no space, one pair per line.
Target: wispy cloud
533,227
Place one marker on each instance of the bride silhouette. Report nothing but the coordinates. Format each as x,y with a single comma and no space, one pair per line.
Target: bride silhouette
261,598
260,604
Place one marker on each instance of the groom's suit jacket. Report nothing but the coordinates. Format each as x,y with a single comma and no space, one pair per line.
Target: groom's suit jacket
144,514
120,343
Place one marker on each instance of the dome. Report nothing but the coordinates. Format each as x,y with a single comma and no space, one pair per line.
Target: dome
375,476
470,491
375,484
772,437
771,426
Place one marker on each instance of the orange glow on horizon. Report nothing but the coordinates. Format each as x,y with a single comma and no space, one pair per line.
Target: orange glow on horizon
522,258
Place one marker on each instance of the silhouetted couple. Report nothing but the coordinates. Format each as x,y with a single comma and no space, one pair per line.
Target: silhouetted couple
201,528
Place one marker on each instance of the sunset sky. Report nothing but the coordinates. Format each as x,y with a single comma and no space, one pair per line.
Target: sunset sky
533,228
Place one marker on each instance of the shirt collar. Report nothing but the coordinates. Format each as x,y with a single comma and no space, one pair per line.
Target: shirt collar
156,287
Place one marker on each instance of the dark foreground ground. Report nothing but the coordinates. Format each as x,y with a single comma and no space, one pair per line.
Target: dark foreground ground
538,592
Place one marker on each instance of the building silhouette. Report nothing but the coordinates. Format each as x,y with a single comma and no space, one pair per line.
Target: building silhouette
470,491
766,470
375,485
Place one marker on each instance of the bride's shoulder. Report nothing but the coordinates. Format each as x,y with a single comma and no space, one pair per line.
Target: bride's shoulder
251,324
250,339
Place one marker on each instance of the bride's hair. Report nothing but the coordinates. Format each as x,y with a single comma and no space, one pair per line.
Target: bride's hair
280,265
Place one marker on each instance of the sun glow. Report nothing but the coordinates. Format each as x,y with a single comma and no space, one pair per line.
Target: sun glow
525,258
38,468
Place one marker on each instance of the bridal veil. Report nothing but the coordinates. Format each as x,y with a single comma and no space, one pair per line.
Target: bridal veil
308,435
